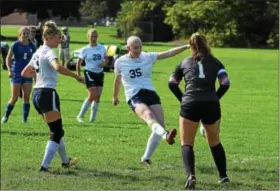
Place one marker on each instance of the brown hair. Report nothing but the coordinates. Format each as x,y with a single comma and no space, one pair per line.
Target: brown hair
50,29
21,29
199,46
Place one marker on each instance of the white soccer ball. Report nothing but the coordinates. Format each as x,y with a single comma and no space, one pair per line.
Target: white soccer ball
202,130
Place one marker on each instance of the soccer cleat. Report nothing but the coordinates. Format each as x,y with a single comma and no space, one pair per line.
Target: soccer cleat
4,120
71,162
224,180
170,136
190,184
24,121
80,120
43,169
146,162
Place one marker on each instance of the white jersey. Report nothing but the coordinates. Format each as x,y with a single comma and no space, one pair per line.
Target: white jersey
136,73
46,75
93,56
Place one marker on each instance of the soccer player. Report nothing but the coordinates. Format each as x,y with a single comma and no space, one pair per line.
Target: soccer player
18,57
135,71
200,102
45,98
64,46
94,55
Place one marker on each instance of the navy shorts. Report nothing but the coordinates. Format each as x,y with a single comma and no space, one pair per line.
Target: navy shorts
206,111
45,100
94,79
18,79
147,97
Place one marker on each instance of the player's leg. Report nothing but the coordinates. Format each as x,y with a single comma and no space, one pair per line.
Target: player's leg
48,102
91,87
15,91
99,81
159,115
211,122
95,102
26,87
189,120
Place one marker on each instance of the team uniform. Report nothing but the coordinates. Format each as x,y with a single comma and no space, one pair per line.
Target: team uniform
137,79
22,55
45,98
201,101
93,56
64,48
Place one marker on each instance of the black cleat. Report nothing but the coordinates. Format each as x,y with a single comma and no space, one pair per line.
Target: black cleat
147,162
71,162
190,184
224,180
49,170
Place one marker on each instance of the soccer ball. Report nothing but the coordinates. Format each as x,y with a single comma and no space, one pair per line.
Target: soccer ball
202,130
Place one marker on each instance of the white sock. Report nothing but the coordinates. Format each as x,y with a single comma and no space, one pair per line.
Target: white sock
157,128
50,151
94,109
62,151
152,144
84,108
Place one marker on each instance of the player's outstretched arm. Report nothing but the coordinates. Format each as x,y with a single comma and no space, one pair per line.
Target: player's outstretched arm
65,71
117,85
172,52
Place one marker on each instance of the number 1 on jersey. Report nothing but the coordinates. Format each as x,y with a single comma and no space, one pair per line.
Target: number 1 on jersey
200,68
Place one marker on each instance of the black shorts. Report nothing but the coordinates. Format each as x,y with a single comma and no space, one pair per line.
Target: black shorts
206,111
145,96
94,79
45,100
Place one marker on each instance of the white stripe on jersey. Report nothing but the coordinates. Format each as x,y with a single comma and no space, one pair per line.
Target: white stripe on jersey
136,74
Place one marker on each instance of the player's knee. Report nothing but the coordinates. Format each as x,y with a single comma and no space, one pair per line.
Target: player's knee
56,130
148,115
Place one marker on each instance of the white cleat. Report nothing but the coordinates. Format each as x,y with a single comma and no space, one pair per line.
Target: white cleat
80,120
4,120
202,130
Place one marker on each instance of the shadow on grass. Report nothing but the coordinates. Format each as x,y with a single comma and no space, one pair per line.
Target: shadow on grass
28,134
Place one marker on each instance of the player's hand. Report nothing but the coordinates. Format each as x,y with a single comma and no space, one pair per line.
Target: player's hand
102,64
80,79
10,74
116,101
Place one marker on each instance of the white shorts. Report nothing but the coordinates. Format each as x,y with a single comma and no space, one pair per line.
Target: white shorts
64,54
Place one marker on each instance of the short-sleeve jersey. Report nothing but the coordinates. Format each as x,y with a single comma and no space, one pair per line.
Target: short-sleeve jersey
136,73
200,78
93,56
46,75
22,55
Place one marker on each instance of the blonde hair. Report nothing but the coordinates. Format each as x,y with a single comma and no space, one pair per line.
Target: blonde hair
50,29
132,39
91,31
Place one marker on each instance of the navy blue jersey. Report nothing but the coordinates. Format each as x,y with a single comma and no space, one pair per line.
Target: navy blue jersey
22,55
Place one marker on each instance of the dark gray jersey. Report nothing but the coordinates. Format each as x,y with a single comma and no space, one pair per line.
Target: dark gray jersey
200,78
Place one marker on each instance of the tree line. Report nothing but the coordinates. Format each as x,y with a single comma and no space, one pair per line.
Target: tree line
226,23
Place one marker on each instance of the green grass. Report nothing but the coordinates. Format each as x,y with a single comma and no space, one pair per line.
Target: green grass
110,149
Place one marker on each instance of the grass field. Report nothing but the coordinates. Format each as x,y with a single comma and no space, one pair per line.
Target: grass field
110,148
